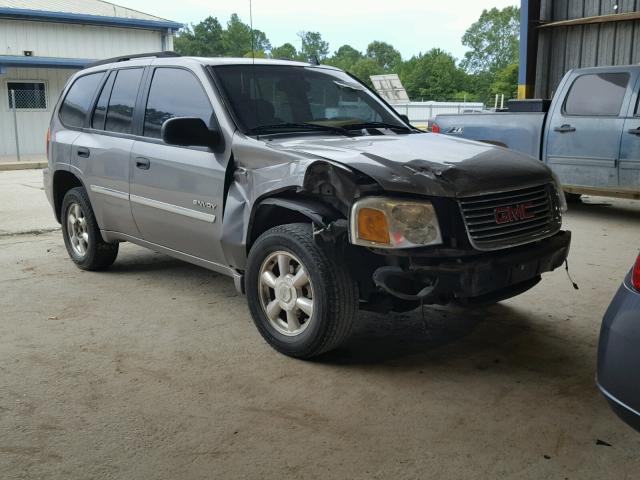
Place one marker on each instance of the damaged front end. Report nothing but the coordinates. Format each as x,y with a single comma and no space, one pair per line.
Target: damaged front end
422,263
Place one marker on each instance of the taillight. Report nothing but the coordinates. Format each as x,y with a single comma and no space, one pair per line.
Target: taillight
48,140
635,274
435,128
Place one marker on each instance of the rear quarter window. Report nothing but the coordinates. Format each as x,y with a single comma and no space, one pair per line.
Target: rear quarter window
77,102
597,95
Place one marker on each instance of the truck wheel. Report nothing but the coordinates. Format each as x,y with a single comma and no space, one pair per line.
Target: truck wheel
81,234
572,197
301,298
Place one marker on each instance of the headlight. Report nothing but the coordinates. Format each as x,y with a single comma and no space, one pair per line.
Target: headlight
562,201
393,223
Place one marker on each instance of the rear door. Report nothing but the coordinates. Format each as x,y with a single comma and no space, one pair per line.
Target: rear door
583,140
177,192
629,172
103,150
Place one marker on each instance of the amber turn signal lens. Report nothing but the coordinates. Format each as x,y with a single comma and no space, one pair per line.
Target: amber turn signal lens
373,226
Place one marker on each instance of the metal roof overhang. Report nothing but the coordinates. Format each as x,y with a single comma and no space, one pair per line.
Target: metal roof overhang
64,17
43,62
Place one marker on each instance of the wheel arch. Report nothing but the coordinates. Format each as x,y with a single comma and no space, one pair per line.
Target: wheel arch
279,210
63,181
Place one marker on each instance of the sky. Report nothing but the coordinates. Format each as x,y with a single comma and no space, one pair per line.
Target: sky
411,26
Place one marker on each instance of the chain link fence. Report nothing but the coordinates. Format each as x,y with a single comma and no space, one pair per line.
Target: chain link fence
24,96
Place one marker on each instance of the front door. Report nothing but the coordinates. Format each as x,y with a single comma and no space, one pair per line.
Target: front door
177,192
583,141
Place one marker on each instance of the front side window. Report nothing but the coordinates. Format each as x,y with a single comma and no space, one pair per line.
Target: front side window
77,103
174,93
596,95
264,95
27,95
123,100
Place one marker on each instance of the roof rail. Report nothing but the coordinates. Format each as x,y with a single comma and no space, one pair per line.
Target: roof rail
124,58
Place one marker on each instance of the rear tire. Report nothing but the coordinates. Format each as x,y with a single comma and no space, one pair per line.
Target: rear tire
81,233
301,297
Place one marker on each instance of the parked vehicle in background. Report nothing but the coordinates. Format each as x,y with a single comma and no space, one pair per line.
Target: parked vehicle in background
619,350
590,135
302,185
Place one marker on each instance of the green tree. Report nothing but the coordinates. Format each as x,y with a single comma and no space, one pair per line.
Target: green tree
387,57
493,40
506,82
286,51
203,39
364,68
345,57
313,46
433,76
236,39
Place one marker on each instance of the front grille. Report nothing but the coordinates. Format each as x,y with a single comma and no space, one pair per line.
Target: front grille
507,219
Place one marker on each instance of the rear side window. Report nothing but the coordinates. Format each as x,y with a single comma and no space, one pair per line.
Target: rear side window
123,100
174,93
77,103
597,94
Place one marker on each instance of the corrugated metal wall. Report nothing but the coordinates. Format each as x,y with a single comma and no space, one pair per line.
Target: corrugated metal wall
562,48
75,41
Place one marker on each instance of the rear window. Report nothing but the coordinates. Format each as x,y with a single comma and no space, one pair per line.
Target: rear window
77,103
123,100
597,94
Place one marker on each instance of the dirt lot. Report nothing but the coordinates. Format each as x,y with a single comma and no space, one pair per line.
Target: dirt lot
153,370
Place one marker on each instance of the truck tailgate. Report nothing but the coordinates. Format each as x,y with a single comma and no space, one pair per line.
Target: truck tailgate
518,131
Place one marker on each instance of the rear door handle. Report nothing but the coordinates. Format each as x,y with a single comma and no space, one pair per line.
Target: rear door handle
83,152
634,131
143,163
566,128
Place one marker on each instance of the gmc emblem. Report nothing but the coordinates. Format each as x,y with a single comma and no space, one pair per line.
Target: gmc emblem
513,213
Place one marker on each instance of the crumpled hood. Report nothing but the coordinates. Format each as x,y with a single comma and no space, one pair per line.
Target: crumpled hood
425,164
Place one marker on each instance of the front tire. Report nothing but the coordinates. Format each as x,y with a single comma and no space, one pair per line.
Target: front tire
573,197
81,233
301,297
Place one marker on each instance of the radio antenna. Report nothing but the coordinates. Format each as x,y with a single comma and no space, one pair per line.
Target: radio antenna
253,66
253,46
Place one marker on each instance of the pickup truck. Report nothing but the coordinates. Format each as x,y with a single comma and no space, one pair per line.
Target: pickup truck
301,184
590,135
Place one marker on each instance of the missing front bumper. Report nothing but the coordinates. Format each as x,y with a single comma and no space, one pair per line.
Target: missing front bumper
485,278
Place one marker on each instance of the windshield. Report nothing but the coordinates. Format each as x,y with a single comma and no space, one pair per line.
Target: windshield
301,98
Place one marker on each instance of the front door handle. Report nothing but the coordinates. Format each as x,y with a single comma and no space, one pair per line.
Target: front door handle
566,128
143,163
83,152
634,131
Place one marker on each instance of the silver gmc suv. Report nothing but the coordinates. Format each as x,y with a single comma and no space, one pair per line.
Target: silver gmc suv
300,183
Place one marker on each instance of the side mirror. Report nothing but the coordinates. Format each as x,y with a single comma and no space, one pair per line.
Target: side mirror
404,118
191,132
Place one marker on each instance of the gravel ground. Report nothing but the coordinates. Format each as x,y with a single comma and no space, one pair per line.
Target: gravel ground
154,370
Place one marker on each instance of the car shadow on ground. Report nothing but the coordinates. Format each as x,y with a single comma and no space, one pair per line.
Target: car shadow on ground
478,339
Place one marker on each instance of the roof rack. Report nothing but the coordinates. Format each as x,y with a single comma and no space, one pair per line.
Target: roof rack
124,58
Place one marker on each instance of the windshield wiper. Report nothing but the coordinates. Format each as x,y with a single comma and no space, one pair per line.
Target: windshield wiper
391,126
297,126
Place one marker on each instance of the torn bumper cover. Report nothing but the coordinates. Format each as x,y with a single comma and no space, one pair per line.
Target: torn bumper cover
488,277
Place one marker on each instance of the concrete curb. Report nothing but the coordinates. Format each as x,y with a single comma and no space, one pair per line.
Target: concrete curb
21,165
